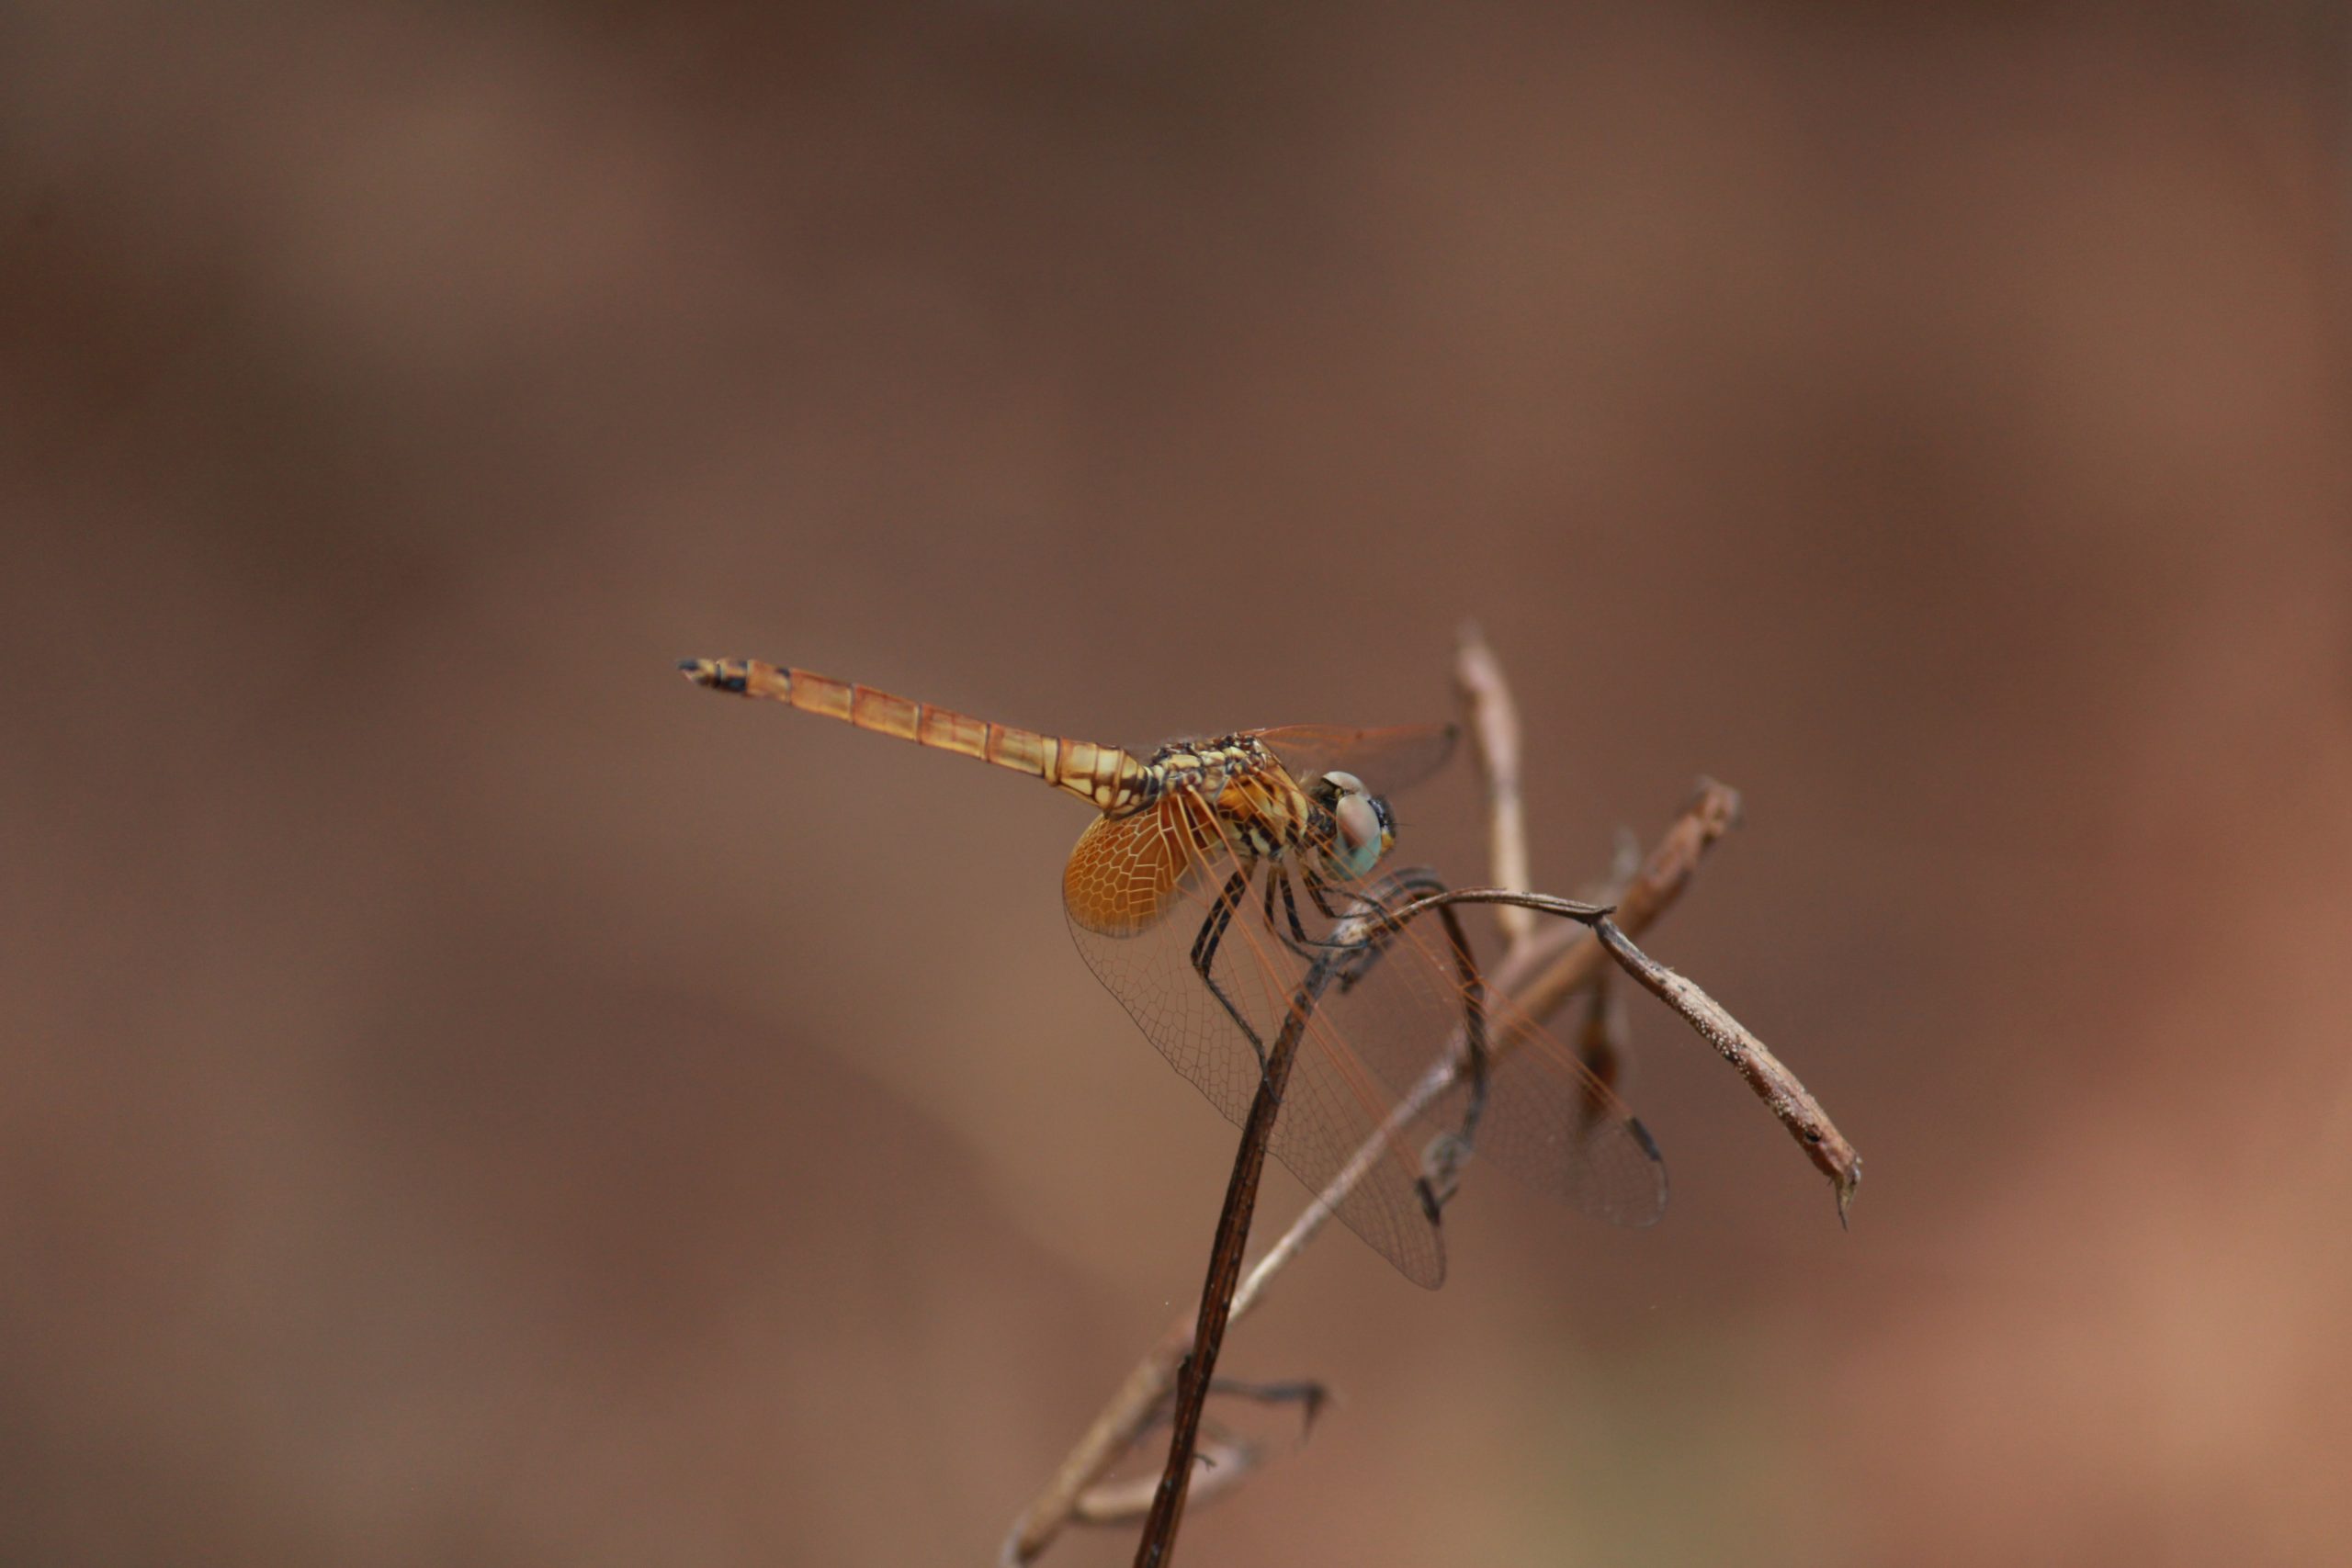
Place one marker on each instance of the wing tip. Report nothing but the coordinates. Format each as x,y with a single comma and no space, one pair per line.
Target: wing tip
1649,1148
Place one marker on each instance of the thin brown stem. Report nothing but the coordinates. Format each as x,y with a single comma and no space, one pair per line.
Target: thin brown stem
1494,728
1225,1464
1779,1089
1157,1545
1775,1086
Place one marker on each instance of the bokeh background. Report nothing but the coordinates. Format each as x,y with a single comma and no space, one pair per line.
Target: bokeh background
470,1098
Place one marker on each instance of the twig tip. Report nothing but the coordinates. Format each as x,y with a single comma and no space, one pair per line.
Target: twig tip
1725,806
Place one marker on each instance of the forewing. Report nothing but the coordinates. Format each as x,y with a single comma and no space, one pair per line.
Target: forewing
1386,760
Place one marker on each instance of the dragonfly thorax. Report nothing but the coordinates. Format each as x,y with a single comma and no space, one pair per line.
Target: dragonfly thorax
1207,766
1329,822
1208,810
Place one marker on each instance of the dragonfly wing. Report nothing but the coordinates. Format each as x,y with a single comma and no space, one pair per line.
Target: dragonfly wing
1173,868
1406,1003
1386,760
1547,1118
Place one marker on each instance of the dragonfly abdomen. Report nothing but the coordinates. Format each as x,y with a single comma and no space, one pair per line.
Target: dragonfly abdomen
1103,776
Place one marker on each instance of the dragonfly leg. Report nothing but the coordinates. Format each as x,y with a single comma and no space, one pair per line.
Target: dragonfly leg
1296,939
1364,905
1315,891
1476,1061
1447,1153
1272,874
1320,892
1442,1164
1205,948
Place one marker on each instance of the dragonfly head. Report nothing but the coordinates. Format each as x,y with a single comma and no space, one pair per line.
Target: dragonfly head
1363,831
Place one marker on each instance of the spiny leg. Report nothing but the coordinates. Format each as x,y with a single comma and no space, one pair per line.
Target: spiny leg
1477,1061
1300,945
1314,890
1366,905
1448,1151
1205,948
1321,891
1290,910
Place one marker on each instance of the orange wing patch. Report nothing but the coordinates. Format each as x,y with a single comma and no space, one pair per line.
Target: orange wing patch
1125,872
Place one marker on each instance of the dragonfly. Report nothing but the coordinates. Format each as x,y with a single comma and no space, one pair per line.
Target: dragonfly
1216,877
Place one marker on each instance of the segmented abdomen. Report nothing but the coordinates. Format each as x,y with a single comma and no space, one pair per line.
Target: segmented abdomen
1104,776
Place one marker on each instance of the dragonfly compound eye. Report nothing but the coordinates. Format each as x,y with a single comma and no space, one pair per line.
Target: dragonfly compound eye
1361,819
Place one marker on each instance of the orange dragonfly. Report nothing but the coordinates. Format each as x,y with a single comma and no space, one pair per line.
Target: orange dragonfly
1160,896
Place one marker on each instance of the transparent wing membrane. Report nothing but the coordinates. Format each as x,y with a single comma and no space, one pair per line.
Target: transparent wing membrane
1331,1106
1145,892
1388,760
1547,1120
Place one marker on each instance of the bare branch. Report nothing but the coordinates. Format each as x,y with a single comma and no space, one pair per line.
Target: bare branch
1225,1464
1774,1084
1494,726
1538,978
1554,968
1225,1459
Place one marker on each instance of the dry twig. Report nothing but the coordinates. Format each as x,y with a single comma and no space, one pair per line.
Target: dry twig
1348,938
1537,979
1226,1462
1774,1084
1494,727
1542,970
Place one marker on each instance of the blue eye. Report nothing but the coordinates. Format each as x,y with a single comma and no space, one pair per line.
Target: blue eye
1363,835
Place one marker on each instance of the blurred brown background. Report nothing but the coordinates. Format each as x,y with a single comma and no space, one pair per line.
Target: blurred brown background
471,1099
